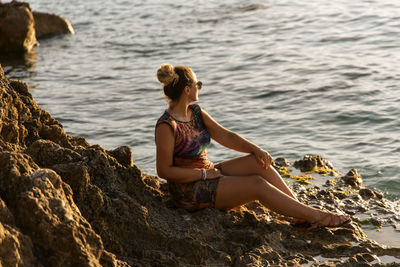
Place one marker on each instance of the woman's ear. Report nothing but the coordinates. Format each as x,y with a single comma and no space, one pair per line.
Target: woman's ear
187,90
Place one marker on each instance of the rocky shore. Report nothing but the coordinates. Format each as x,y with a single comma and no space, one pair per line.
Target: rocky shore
64,202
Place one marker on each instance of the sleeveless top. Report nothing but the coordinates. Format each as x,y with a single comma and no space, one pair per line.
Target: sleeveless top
191,140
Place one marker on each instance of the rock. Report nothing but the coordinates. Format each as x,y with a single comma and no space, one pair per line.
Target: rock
20,27
353,178
16,28
16,249
47,153
47,25
366,193
44,210
66,203
282,162
123,155
23,122
314,163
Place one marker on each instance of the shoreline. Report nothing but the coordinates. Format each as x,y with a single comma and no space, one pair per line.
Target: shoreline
64,201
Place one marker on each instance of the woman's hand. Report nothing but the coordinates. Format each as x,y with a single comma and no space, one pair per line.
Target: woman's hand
263,157
213,173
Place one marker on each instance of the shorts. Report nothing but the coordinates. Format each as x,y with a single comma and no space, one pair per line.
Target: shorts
195,195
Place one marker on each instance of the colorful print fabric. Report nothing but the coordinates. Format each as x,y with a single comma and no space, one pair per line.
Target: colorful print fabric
191,142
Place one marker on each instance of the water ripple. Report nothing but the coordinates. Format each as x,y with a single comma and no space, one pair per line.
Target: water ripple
294,77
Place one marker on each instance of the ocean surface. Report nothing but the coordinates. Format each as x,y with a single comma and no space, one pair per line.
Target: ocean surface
294,77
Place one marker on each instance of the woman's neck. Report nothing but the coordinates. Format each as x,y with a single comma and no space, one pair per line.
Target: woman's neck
180,111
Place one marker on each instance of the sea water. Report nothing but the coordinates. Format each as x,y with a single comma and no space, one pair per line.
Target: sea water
294,77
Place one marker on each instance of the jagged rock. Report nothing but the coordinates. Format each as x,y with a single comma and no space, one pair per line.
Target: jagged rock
66,203
281,162
353,178
43,208
47,153
16,28
366,193
23,122
313,163
47,25
16,249
123,154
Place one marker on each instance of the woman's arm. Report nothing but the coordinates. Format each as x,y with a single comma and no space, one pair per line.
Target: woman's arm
234,141
165,142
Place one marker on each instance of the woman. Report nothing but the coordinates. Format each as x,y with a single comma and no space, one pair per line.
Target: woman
182,135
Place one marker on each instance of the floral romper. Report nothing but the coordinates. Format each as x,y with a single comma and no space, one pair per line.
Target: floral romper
191,141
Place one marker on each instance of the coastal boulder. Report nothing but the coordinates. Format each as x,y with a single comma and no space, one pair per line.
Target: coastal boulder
20,27
313,163
47,25
43,208
17,29
353,178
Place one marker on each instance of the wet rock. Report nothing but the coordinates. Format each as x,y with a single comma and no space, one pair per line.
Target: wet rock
47,25
377,222
361,258
308,163
16,28
314,163
20,27
366,193
282,162
353,178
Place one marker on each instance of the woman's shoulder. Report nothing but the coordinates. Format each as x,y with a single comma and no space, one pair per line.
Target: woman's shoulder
166,118
196,109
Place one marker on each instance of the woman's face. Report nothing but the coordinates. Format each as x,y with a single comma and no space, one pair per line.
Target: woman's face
194,88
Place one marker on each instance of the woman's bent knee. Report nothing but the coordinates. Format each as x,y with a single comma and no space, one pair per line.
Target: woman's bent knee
259,184
256,179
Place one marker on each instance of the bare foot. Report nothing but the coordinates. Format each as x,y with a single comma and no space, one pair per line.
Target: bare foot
330,219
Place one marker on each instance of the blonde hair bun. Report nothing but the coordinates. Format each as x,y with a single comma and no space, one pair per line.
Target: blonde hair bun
166,74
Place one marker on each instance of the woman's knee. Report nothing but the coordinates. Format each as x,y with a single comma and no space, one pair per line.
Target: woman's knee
255,163
258,183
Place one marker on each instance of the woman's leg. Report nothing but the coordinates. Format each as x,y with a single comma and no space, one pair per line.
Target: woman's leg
238,190
248,165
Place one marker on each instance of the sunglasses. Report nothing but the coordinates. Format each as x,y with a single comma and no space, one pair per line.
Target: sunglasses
199,85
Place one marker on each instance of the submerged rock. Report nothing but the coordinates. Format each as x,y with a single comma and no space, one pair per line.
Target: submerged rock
66,203
47,25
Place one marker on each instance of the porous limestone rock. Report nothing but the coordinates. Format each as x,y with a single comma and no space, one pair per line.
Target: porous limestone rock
313,163
353,178
66,203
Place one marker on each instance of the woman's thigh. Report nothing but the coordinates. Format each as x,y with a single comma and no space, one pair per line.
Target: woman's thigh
234,191
245,165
